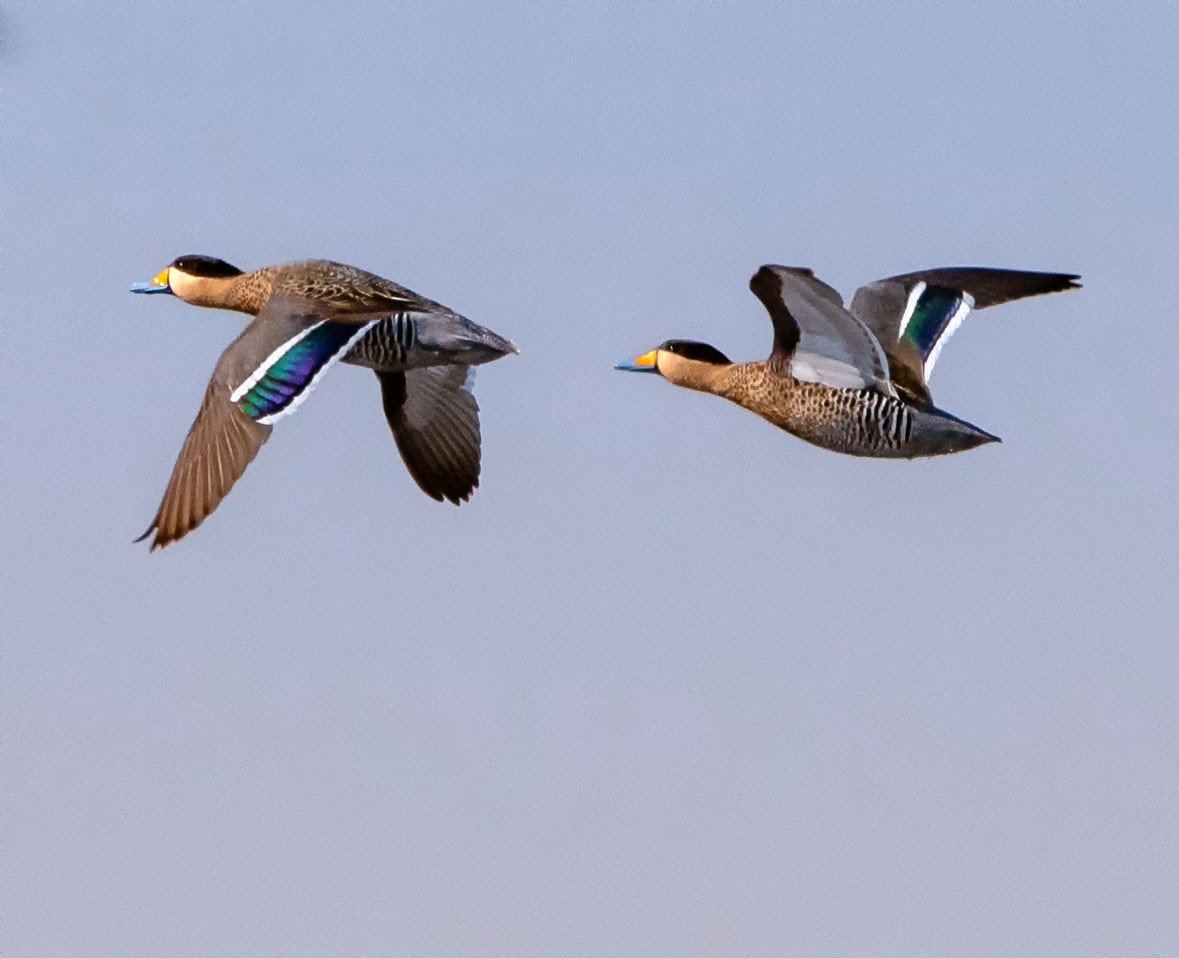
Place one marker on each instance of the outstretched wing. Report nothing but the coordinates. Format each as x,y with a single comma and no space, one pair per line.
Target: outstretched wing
815,338
222,441
914,314
435,421
263,374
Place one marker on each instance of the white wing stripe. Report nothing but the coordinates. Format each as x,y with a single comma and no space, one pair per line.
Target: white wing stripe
964,307
911,306
254,377
297,400
257,374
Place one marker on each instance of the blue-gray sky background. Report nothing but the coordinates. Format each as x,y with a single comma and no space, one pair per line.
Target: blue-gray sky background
674,682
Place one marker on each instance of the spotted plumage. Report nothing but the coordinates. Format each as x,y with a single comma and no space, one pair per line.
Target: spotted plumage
309,315
853,381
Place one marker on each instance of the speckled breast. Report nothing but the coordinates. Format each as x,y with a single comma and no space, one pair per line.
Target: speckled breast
859,422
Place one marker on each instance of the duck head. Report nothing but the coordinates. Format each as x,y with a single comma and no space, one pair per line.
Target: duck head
681,361
194,278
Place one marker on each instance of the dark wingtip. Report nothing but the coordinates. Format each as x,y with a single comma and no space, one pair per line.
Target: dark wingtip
769,269
1000,286
766,280
991,286
1016,284
458,497
763,273
158,543
455,495
765,283
1009,285
1061,282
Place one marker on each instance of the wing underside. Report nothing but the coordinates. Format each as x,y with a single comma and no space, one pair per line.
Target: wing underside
435,422
815,338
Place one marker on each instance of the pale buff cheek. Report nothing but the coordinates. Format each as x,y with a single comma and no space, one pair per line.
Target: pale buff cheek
181,284
198,290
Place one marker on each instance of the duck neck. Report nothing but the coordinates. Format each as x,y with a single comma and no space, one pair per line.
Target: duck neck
245,293
693,374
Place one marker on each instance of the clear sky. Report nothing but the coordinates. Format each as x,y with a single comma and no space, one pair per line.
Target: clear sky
674,683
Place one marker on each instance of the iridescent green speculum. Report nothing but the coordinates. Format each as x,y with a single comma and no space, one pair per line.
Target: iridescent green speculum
291,372
932,314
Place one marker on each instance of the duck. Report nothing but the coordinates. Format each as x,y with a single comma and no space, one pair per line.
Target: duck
854,379
307,316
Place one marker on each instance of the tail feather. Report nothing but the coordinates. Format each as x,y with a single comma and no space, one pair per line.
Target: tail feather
939,433
468,341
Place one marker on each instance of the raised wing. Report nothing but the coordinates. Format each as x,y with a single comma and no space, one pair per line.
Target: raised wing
815,338
435,421
914,314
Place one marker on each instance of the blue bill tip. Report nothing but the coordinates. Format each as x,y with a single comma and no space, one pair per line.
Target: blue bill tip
149,287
